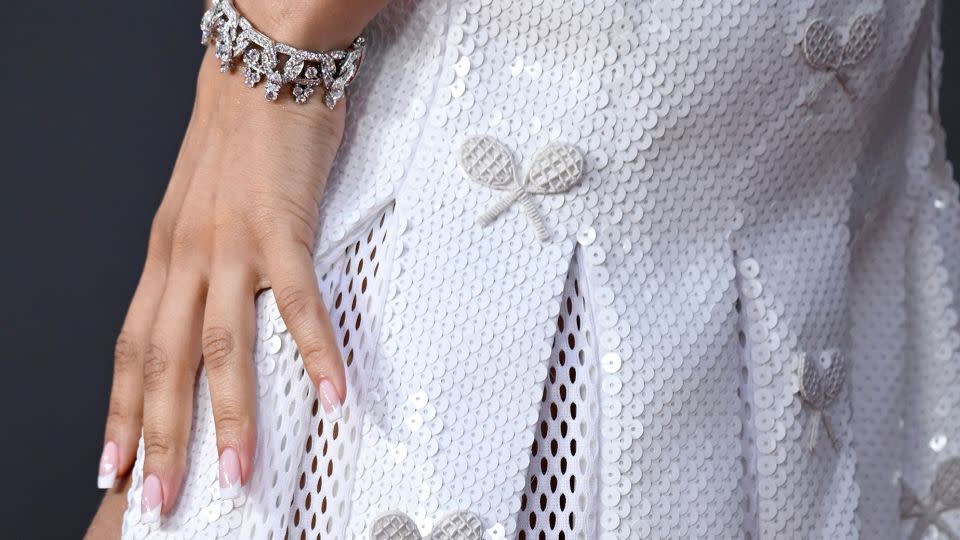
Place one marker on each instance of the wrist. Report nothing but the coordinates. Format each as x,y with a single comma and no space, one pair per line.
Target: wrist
226,101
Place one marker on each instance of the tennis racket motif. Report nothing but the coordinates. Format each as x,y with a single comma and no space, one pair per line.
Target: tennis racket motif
555,169
820,383
824,50
944,497
399,526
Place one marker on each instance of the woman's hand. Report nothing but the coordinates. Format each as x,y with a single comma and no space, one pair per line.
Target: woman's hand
239,216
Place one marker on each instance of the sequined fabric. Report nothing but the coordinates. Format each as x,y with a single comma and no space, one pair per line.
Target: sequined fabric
636,374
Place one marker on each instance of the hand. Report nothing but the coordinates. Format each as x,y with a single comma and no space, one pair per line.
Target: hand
239,216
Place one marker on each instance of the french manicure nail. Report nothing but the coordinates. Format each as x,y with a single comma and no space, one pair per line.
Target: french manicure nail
152,500
330,399
107,474
229,474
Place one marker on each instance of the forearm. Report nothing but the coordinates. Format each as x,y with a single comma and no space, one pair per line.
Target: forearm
311,24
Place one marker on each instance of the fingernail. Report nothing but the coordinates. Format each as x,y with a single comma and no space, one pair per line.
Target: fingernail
330,399
229,474
107,473
152,500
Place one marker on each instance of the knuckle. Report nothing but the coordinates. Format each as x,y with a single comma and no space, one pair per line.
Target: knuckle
277,223
118,414
318,354
183,237
155,367
161,230
217,347
226,223
264,226
157,443
230,419
161,226
126,354
295,303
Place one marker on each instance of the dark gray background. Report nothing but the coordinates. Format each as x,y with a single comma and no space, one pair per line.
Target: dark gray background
96,96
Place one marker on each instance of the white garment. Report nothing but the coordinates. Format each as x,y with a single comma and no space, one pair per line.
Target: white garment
743,206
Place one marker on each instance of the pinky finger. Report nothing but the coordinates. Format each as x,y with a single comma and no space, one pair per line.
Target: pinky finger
301,306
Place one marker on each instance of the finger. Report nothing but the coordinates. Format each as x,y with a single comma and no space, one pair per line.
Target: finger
125,414
126,395
228,336
290,269
169,375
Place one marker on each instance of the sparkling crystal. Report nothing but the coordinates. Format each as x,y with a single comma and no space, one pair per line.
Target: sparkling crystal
302,93
250,77
225,66
292,67
311,73
268,58
251,57
329,69
274,81
224,49
206,27
333,96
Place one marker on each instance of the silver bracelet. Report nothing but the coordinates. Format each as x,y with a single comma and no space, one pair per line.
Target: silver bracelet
234,36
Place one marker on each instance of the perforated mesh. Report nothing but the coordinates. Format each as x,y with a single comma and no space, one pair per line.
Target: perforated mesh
561,485
320,507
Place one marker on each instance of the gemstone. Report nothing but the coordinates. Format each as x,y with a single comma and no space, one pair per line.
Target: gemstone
292,68
332,97
251,57
311,73
329,69
224,49
302,93
250,77
274,81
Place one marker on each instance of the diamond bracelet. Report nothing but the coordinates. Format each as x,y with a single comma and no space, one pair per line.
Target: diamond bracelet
234,36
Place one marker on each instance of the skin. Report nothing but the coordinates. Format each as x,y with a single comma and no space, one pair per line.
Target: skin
239,216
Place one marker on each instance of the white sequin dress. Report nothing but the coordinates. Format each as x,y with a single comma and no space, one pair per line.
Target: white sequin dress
742,320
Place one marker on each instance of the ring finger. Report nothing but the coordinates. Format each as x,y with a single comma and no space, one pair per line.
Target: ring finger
228,335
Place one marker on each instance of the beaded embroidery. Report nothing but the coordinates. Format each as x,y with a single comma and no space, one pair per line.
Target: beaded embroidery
555,169
819,386
454,526
944,497
824,51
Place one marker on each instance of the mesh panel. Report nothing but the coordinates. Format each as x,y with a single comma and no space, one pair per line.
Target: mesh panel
321,502
558,502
